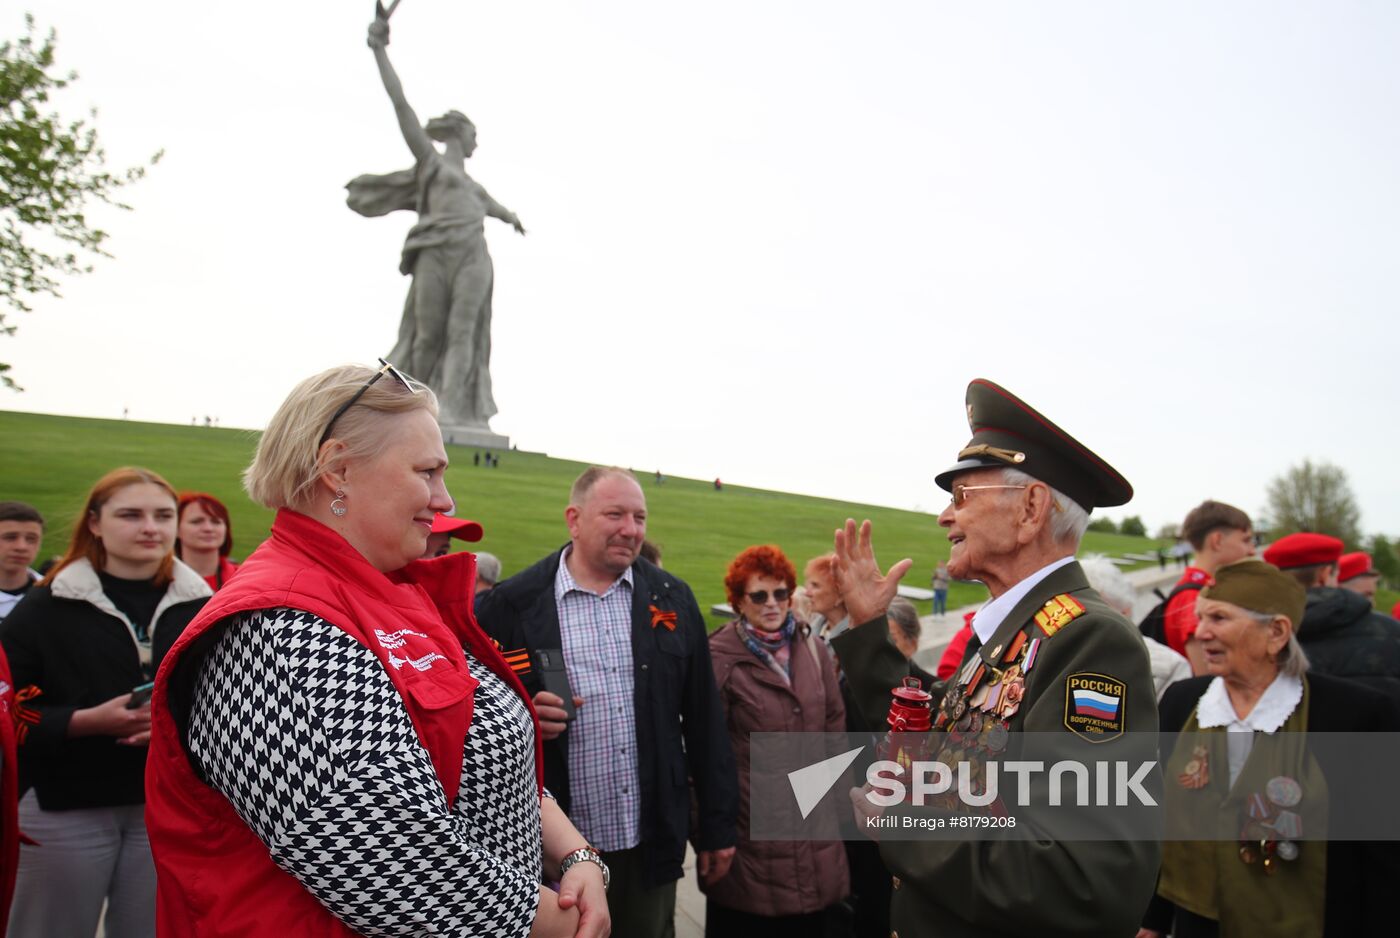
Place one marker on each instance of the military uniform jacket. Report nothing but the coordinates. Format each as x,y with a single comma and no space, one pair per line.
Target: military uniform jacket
1040,886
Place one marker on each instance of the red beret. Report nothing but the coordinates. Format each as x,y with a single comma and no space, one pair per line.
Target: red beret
464,528
1354,565
1303,549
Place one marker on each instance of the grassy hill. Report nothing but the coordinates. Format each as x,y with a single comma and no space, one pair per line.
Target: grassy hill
51,462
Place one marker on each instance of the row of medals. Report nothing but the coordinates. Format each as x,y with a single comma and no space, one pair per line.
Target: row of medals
977,711
1269,830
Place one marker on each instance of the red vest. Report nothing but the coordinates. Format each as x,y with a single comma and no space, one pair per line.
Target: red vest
214,876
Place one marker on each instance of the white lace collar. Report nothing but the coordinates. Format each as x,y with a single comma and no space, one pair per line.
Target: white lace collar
1275,706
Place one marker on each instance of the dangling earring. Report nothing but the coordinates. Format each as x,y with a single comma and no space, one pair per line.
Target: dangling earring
338,504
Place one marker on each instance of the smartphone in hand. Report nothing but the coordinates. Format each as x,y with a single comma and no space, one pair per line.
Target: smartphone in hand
140,696
555,678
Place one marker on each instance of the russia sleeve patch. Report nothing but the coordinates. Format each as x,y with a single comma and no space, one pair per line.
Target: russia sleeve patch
1094,706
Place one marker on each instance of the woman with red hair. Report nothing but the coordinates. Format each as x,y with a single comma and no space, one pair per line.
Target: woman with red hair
774,677
83,647
205,537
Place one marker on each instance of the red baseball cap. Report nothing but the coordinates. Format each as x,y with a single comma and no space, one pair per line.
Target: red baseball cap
1303,549
464,528
1354,565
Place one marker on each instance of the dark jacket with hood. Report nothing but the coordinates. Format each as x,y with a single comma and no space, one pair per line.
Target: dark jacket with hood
1345,637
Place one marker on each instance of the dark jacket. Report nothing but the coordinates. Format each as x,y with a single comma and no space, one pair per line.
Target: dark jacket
778,877
69,649
680,724
1360,876
1345,637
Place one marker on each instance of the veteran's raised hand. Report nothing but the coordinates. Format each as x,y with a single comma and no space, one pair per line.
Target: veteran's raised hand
864,589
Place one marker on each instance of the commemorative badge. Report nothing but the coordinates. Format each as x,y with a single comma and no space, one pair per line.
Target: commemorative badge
1094,706
1284,791
1196,772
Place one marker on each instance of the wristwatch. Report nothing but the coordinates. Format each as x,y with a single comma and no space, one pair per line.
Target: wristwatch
585,855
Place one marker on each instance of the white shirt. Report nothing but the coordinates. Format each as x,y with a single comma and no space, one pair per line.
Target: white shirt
990,617
1273,709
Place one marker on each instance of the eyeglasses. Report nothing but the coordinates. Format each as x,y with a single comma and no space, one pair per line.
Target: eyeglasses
388,369
760,597
960,491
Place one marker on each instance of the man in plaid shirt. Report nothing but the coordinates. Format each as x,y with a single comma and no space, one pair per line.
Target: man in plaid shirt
648,714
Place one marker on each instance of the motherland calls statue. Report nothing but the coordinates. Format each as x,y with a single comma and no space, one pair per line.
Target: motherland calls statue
445,336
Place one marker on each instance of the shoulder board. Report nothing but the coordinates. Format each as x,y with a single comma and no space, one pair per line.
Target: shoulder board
1058,613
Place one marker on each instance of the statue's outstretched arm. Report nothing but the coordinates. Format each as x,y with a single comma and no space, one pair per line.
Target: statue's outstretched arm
413,133
497,210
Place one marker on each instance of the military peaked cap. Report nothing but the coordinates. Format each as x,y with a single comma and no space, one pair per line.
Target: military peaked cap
1009,433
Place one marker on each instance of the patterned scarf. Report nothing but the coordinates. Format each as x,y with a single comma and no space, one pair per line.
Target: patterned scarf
772,648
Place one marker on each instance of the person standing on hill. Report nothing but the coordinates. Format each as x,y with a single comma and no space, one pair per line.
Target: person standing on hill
647,714
1220,534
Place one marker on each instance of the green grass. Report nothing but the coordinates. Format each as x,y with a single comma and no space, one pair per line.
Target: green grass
51,462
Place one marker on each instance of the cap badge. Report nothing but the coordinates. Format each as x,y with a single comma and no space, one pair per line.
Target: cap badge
995,452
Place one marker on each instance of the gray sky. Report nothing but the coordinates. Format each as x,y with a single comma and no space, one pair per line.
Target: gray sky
772,241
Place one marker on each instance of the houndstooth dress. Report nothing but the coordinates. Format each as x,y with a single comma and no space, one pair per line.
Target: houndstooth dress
299,726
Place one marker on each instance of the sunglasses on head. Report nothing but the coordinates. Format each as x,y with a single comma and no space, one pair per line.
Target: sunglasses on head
388,369
759,597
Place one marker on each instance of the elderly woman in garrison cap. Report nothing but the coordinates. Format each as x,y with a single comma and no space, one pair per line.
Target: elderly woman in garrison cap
1253,776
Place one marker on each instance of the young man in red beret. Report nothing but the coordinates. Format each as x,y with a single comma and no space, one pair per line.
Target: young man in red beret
1342,635
1355,573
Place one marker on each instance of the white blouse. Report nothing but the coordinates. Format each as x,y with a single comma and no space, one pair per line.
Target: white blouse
1273,709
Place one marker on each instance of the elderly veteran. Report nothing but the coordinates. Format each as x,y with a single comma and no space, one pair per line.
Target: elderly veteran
1248,763
1022,492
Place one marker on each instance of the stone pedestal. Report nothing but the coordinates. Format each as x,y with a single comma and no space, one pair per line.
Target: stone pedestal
479,437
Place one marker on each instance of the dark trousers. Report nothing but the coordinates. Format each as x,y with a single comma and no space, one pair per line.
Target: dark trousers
721,922
638,910
871,888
